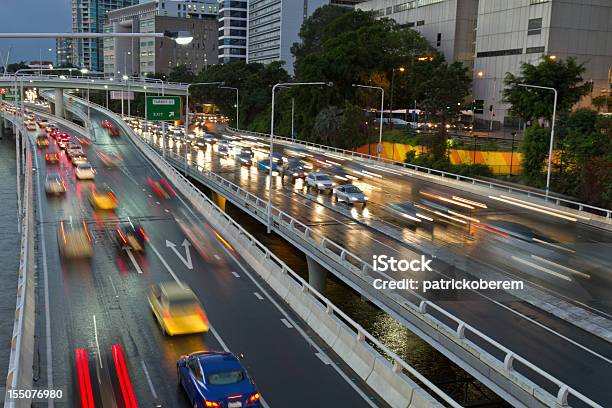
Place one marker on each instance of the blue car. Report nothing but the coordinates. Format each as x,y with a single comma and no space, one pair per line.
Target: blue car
265,166
216,379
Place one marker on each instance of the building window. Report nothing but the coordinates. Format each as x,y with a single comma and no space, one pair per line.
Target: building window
532,2
534,50
439,40
534,26
389,10
420,22
499,53
411,24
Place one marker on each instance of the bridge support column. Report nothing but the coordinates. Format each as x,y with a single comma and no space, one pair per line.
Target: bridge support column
1,127
59,102
317,275
219,200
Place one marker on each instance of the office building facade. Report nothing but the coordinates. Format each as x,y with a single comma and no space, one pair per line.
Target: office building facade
495,37
147,55
89,16
274,26
232,30
63,51
520,31
448,25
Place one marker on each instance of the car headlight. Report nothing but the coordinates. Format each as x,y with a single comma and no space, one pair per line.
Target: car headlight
321,185
295,174
353,198
365,198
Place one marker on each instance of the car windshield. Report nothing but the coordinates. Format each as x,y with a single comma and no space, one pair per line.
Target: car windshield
53,177
84,166
352,189
323,177
245,156
225,377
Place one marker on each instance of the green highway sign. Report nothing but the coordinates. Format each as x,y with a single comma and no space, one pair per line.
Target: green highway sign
163,107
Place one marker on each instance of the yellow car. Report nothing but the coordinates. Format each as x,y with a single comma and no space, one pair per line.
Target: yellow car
177,309
74,240
103,199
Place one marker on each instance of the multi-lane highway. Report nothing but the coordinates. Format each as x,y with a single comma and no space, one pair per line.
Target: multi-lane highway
560,257
98,303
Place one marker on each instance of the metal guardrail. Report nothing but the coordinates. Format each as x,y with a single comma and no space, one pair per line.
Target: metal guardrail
20,370
603,212
100,80
457,332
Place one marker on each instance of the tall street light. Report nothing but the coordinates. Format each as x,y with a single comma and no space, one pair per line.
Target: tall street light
400,69
237,110
382,107
552,130
186,138
286,84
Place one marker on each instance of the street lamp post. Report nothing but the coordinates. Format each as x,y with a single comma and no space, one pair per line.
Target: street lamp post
382,107
287,84
552,130
237,109
400,69
186,138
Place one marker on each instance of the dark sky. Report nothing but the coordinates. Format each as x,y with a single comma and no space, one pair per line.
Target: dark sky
33,16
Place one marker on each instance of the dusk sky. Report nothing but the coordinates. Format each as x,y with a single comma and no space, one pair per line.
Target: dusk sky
21,16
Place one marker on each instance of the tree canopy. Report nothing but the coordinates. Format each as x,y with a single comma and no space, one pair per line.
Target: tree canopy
531,104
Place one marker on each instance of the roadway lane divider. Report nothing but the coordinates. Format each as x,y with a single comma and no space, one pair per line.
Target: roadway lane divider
84,378
127,392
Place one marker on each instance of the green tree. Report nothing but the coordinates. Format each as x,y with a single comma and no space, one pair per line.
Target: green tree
600,102
354,47
328,124
531,104
254,82
534,148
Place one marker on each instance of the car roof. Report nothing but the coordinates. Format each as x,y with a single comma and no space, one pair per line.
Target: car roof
174,291
213,361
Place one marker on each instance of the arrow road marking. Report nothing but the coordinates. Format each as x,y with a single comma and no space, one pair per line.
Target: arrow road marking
187,258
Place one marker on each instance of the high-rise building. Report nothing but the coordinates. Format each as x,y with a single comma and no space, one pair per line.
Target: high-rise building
448,25
232,30
89,16
142,56
274,26
493,38
63,49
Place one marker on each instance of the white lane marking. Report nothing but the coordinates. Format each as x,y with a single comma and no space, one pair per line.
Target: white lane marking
235,274
46,283
150,196
258,296
541,268
187,258
131,256
217,257
113,285
157,202
565,268
166,210
286,323
288,318
553,245
323,358
144,367
161,258
96,337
